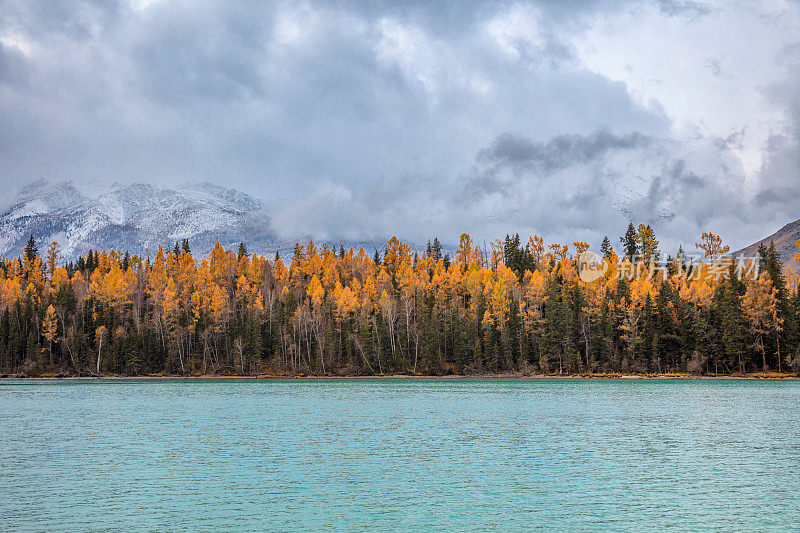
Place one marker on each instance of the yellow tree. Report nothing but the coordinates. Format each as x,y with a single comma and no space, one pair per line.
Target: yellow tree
58,278
712,246
219,308
498,305
170,311
12,291
50,329
536,249
53,257
760,305
559,252
464,253
34,272
535,296
648,245
580,247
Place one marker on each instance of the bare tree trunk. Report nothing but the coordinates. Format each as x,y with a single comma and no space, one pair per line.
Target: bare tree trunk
65,342
205,351
377,345
585,325
99,347
238,346
180,353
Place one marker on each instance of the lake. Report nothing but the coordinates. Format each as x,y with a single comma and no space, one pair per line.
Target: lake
399,454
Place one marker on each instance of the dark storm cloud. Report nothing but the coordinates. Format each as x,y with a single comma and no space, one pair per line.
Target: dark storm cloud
559,152
512,158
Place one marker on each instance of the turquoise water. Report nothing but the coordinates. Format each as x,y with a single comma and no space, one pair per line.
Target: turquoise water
399,454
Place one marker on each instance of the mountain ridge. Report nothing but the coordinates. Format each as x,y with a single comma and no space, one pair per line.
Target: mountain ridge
132,217
784,239
140,217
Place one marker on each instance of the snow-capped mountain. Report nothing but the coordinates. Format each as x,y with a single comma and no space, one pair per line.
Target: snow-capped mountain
133,217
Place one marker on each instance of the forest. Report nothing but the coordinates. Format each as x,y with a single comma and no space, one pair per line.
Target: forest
505,308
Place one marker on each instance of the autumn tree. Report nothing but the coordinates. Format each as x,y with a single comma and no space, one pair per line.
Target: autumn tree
647,244
53,257
760,304
712,245
516,309
50,329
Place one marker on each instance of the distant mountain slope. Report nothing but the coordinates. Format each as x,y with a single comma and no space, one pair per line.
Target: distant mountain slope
784,240
133,217
140,217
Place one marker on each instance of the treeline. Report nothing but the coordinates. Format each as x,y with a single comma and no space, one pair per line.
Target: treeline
503,309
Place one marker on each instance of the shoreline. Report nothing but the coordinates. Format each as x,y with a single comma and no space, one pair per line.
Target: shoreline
760,376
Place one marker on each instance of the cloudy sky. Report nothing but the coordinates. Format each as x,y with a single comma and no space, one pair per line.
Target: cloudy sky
360,120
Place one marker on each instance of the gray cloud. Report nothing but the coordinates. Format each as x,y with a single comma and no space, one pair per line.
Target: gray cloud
561,151
360,120
675,8
512,158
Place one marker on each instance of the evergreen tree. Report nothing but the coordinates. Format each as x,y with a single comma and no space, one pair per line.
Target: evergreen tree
242,250
31,250
605,248
681,257
437,249
630,248
734,326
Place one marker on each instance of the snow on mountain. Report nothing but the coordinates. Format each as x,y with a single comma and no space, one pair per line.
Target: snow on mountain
133,217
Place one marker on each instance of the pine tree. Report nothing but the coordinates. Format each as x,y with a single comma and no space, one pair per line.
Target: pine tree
605,248
680,257
242,250
629,246
30,249
733,326
437,249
